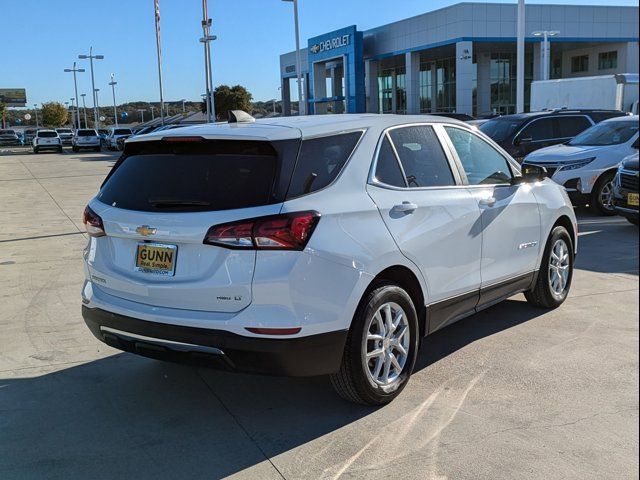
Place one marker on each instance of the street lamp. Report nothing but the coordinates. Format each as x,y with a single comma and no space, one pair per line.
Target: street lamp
91,57
183,100
141,112
113,84
73,119
302,108
546,50
97,108
206,40
75,84
153,115
35,107
84,109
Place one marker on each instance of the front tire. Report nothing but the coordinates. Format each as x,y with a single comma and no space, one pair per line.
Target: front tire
602,195
381,348
556,272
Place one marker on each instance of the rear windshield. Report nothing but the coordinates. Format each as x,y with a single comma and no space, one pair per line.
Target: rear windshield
7,132
122,131
201,176
87,133
500,129
63,130
47,134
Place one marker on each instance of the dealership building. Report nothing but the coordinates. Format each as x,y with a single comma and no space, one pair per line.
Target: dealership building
457,59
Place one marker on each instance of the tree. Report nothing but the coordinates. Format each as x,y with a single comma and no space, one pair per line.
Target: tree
3,112
54,114
230,98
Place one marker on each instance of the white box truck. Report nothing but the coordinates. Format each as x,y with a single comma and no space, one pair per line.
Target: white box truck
609,92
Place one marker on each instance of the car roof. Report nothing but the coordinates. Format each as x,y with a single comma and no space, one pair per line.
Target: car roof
560,111
287,128
624,118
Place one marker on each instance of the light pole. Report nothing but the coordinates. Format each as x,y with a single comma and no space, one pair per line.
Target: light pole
206,40
113,84
97,108
183,100
546,49
74,120
141,112
302,107
84,109
75,85
520,58
35,107
91,57
153,115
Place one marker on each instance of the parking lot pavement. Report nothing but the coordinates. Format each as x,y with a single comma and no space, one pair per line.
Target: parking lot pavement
512,392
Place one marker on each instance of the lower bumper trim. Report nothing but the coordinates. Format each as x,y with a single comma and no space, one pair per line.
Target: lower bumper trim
294,357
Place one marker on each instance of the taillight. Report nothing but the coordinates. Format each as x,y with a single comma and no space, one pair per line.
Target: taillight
289,231
93,223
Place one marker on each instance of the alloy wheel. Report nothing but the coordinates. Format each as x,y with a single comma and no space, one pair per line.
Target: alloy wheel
385,348
559,267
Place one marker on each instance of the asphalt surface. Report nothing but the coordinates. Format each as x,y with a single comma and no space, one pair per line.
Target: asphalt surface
513,392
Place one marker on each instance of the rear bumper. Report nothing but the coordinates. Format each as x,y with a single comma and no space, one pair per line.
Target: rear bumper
296,357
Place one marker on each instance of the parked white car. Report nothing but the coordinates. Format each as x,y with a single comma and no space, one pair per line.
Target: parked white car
317,245
85,138
586,166
111,141
46,140
66,135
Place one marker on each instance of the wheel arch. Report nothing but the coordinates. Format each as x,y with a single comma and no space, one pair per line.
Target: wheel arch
566,222
405,278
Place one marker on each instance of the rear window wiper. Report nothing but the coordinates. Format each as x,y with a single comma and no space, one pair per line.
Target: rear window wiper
177,202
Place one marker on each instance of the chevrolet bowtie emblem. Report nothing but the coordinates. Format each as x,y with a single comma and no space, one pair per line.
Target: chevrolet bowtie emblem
146,230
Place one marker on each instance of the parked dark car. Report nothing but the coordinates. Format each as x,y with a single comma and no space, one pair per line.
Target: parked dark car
625,189
463,117
524,133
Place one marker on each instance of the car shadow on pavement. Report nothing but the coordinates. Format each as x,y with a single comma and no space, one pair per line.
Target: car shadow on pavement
608,245
125,416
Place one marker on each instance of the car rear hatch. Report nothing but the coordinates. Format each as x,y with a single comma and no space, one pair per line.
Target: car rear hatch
160,201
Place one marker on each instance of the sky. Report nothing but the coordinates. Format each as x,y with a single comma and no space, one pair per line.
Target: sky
40,38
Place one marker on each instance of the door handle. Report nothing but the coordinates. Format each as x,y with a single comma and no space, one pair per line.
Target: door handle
405,207
487,202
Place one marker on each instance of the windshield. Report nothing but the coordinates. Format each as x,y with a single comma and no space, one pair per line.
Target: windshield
606,133
87,133
500,129
122,131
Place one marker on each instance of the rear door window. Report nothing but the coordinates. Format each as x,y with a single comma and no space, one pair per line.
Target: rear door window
320,162
387,166
200,176
539,130
569,127
423,160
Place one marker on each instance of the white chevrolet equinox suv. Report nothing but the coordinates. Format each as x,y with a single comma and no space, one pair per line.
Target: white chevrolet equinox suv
317,245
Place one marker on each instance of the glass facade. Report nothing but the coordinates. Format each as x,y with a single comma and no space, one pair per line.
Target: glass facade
445,84
401,90
426,87
385,92
503,82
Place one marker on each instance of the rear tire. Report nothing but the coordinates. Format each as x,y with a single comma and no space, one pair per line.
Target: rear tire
97,149
35,150
556,272
374,368
75,149
602,195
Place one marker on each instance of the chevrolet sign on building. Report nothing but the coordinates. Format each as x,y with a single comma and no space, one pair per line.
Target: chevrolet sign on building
331,44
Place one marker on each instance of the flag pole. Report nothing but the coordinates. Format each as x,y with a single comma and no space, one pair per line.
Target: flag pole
159,49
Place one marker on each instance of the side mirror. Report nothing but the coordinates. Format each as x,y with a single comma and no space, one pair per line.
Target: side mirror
522,140
531,174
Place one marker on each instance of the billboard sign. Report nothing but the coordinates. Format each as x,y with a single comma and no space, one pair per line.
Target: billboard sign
13,97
